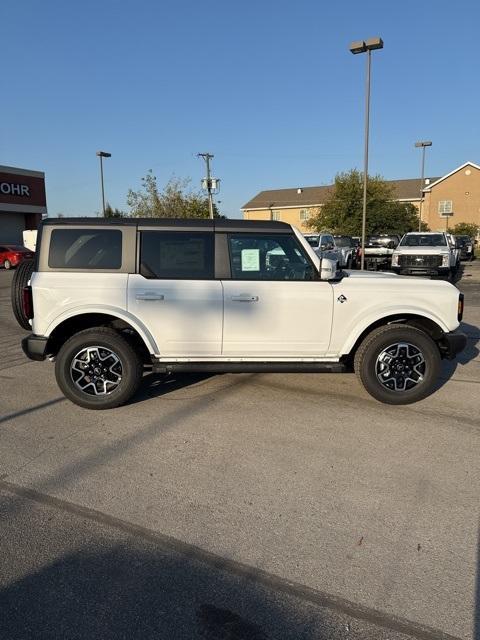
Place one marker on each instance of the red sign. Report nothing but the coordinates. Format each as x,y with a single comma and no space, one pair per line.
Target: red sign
22,189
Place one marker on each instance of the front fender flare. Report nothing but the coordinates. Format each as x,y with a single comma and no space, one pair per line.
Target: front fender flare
393,312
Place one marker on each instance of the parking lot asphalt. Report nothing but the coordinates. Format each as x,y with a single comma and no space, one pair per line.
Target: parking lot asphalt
240,506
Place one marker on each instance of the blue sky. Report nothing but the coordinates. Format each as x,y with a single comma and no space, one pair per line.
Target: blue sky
269,87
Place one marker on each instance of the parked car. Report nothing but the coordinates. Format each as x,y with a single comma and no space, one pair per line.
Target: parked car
108,298
466,245
11,255
452,243
379,250
324,245
426,254
347,250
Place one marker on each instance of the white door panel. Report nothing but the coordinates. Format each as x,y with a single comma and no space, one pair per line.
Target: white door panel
184,316
276,318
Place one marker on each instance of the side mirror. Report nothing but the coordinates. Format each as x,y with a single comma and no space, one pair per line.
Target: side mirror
328,269
323,247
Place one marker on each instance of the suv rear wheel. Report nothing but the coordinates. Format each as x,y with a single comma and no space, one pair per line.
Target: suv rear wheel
98,369
398,364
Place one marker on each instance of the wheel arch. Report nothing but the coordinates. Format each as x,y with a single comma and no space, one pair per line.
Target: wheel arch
424,323
65,327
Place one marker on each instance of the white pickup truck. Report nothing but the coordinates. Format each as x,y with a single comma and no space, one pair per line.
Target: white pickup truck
426,254
107,298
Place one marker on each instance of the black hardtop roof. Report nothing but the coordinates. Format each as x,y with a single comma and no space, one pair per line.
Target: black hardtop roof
218,224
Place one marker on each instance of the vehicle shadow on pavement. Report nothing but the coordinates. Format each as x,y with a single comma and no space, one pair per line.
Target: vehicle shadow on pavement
155,385
471,352
120,586
128,592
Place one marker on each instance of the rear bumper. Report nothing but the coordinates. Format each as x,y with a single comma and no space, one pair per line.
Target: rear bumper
35,347
452,343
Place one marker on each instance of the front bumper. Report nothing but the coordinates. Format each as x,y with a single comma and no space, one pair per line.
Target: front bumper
422,271
35,347
452,343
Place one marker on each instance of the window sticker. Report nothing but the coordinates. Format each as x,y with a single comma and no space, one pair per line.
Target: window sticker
250,259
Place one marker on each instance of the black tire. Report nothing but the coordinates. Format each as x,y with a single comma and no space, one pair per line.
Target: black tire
383,341
22,275
128,375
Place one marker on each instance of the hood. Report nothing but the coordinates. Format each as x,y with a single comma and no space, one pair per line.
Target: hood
374,274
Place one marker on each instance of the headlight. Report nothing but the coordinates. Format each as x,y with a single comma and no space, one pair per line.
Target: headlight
395,260
445,260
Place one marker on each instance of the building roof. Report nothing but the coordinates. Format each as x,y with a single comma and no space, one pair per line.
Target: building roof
310,196
435,181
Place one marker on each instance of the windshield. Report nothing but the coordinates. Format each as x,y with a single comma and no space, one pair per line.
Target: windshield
313,240
423,240
343,241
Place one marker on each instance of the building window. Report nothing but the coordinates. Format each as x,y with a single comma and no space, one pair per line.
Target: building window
276,215
304,215
445,207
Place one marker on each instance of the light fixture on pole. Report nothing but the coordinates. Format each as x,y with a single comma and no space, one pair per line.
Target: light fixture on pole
209,184
366,46
102,155
423,144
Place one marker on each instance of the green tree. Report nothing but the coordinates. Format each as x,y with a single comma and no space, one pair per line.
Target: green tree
177,200
114,213
466,229
342,212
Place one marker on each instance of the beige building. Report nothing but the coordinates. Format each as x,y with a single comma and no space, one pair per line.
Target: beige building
449,199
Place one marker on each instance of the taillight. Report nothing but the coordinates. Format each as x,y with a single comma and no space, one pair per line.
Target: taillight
27,302
460,307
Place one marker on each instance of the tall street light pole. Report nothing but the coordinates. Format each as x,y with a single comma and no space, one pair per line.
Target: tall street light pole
366,46
102,155
423,144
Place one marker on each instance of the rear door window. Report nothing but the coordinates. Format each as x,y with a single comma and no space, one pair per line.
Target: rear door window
179,255
85,249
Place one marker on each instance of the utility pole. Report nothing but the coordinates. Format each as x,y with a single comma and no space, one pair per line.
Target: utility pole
209,184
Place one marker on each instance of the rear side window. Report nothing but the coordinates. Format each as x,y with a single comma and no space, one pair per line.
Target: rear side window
181,255
85,249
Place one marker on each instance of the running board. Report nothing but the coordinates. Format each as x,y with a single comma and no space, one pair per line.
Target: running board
248,367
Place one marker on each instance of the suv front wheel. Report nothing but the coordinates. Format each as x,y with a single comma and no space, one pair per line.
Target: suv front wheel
398,364
98,369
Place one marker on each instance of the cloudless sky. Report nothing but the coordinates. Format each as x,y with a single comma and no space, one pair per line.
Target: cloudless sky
269,87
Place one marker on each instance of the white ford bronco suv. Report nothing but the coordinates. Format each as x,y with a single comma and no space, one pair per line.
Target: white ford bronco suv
107,299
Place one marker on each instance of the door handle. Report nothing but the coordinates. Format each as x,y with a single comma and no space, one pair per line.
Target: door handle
149,295
244,297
